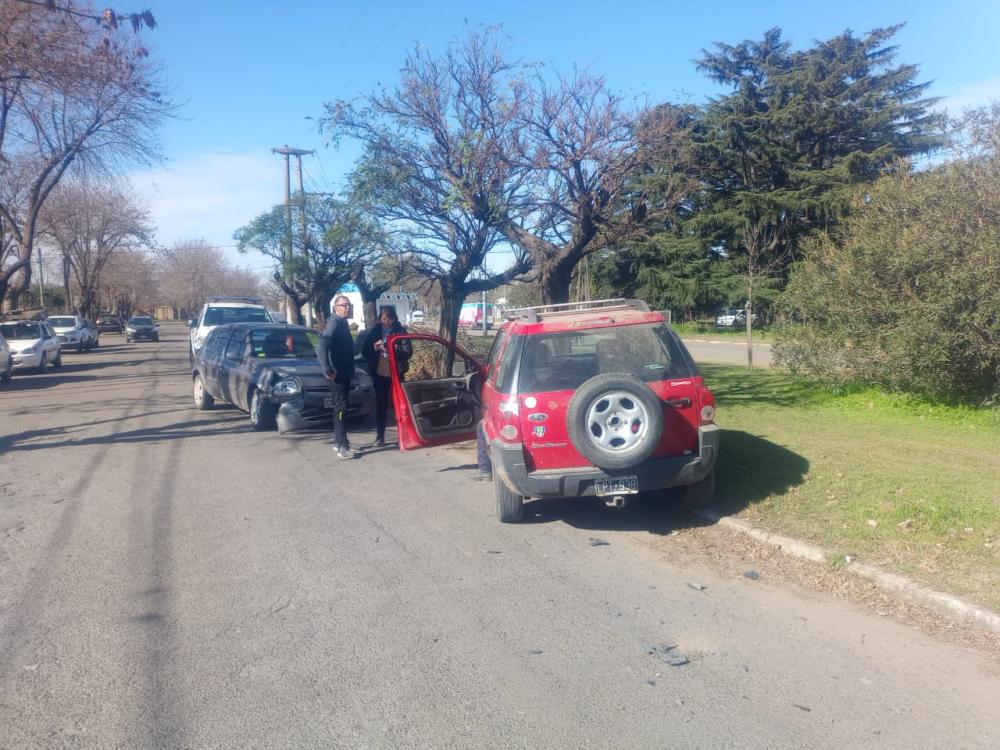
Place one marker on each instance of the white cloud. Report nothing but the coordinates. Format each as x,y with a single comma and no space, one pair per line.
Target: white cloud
970,96
211,195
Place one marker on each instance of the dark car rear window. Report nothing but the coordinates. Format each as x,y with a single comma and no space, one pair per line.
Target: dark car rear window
219,315
563,361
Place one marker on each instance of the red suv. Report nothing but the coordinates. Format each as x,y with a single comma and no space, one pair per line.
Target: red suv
582,399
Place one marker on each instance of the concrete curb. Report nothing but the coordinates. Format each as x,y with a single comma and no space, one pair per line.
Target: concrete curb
893,583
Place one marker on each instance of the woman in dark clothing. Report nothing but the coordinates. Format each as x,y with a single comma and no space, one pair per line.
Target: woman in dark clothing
377,355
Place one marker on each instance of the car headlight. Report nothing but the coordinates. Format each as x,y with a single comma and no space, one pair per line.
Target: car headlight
130,329
198,342
286,387
30,350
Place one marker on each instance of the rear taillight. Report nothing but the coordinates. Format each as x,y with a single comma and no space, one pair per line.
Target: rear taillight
706,400
509,431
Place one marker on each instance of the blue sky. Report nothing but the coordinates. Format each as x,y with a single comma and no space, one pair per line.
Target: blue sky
249,75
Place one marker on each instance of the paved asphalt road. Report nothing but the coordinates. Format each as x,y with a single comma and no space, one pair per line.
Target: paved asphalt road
168,578
727,352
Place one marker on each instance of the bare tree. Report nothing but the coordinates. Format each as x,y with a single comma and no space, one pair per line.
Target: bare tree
89,223
71,92
128,282
188,272
578,178
430,144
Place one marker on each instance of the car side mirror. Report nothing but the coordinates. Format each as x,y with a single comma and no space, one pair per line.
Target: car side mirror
192,324
233,356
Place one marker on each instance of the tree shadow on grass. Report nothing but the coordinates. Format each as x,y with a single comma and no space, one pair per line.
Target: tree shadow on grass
750,469
737,386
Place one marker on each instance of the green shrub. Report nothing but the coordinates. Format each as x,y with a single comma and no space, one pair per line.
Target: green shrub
906,295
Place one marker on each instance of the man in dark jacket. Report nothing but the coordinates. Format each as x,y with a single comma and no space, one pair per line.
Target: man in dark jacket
336,357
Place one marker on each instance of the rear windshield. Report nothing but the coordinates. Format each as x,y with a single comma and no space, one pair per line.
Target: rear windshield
25,330
62,321
216,316
563,361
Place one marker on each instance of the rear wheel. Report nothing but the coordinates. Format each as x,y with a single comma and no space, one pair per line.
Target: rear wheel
262,412
202,398
701,492
510,505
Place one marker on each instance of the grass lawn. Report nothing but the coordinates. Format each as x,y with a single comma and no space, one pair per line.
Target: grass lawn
905,484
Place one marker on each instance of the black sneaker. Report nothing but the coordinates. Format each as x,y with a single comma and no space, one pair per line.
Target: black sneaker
379,443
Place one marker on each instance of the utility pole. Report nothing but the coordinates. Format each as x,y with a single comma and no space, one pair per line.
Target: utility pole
291,314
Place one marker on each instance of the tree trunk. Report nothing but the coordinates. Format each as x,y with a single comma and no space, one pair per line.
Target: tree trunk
67,286
554,283
451,309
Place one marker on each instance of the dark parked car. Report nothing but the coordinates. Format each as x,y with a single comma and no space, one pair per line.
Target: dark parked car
110,324
270,370
141,327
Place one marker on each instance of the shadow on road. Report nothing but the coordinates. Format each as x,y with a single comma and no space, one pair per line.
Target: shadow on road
34,440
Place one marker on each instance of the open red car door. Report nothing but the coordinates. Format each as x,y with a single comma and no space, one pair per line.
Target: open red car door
438,400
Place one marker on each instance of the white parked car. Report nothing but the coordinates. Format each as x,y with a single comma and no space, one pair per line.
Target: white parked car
33,344
74,332
734,317
219,310
6,361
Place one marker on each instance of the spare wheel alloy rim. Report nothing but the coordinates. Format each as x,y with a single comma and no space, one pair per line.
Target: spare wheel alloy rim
617,421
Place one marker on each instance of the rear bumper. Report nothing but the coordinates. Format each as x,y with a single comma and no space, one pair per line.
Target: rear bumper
653,474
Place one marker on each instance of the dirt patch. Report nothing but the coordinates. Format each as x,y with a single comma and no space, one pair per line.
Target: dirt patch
734,554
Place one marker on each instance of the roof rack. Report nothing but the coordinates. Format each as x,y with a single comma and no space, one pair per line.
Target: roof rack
533,314
248,300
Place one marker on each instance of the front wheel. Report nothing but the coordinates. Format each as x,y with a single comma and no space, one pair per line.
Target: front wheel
262,413
128,340
202,399
510,505
57,362
43,365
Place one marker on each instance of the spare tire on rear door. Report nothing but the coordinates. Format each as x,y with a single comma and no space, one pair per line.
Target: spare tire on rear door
614,420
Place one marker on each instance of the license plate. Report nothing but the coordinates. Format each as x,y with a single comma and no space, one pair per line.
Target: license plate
328,403
617,486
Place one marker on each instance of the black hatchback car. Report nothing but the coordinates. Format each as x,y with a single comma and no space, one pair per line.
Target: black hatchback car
109,323
270,370
141,327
